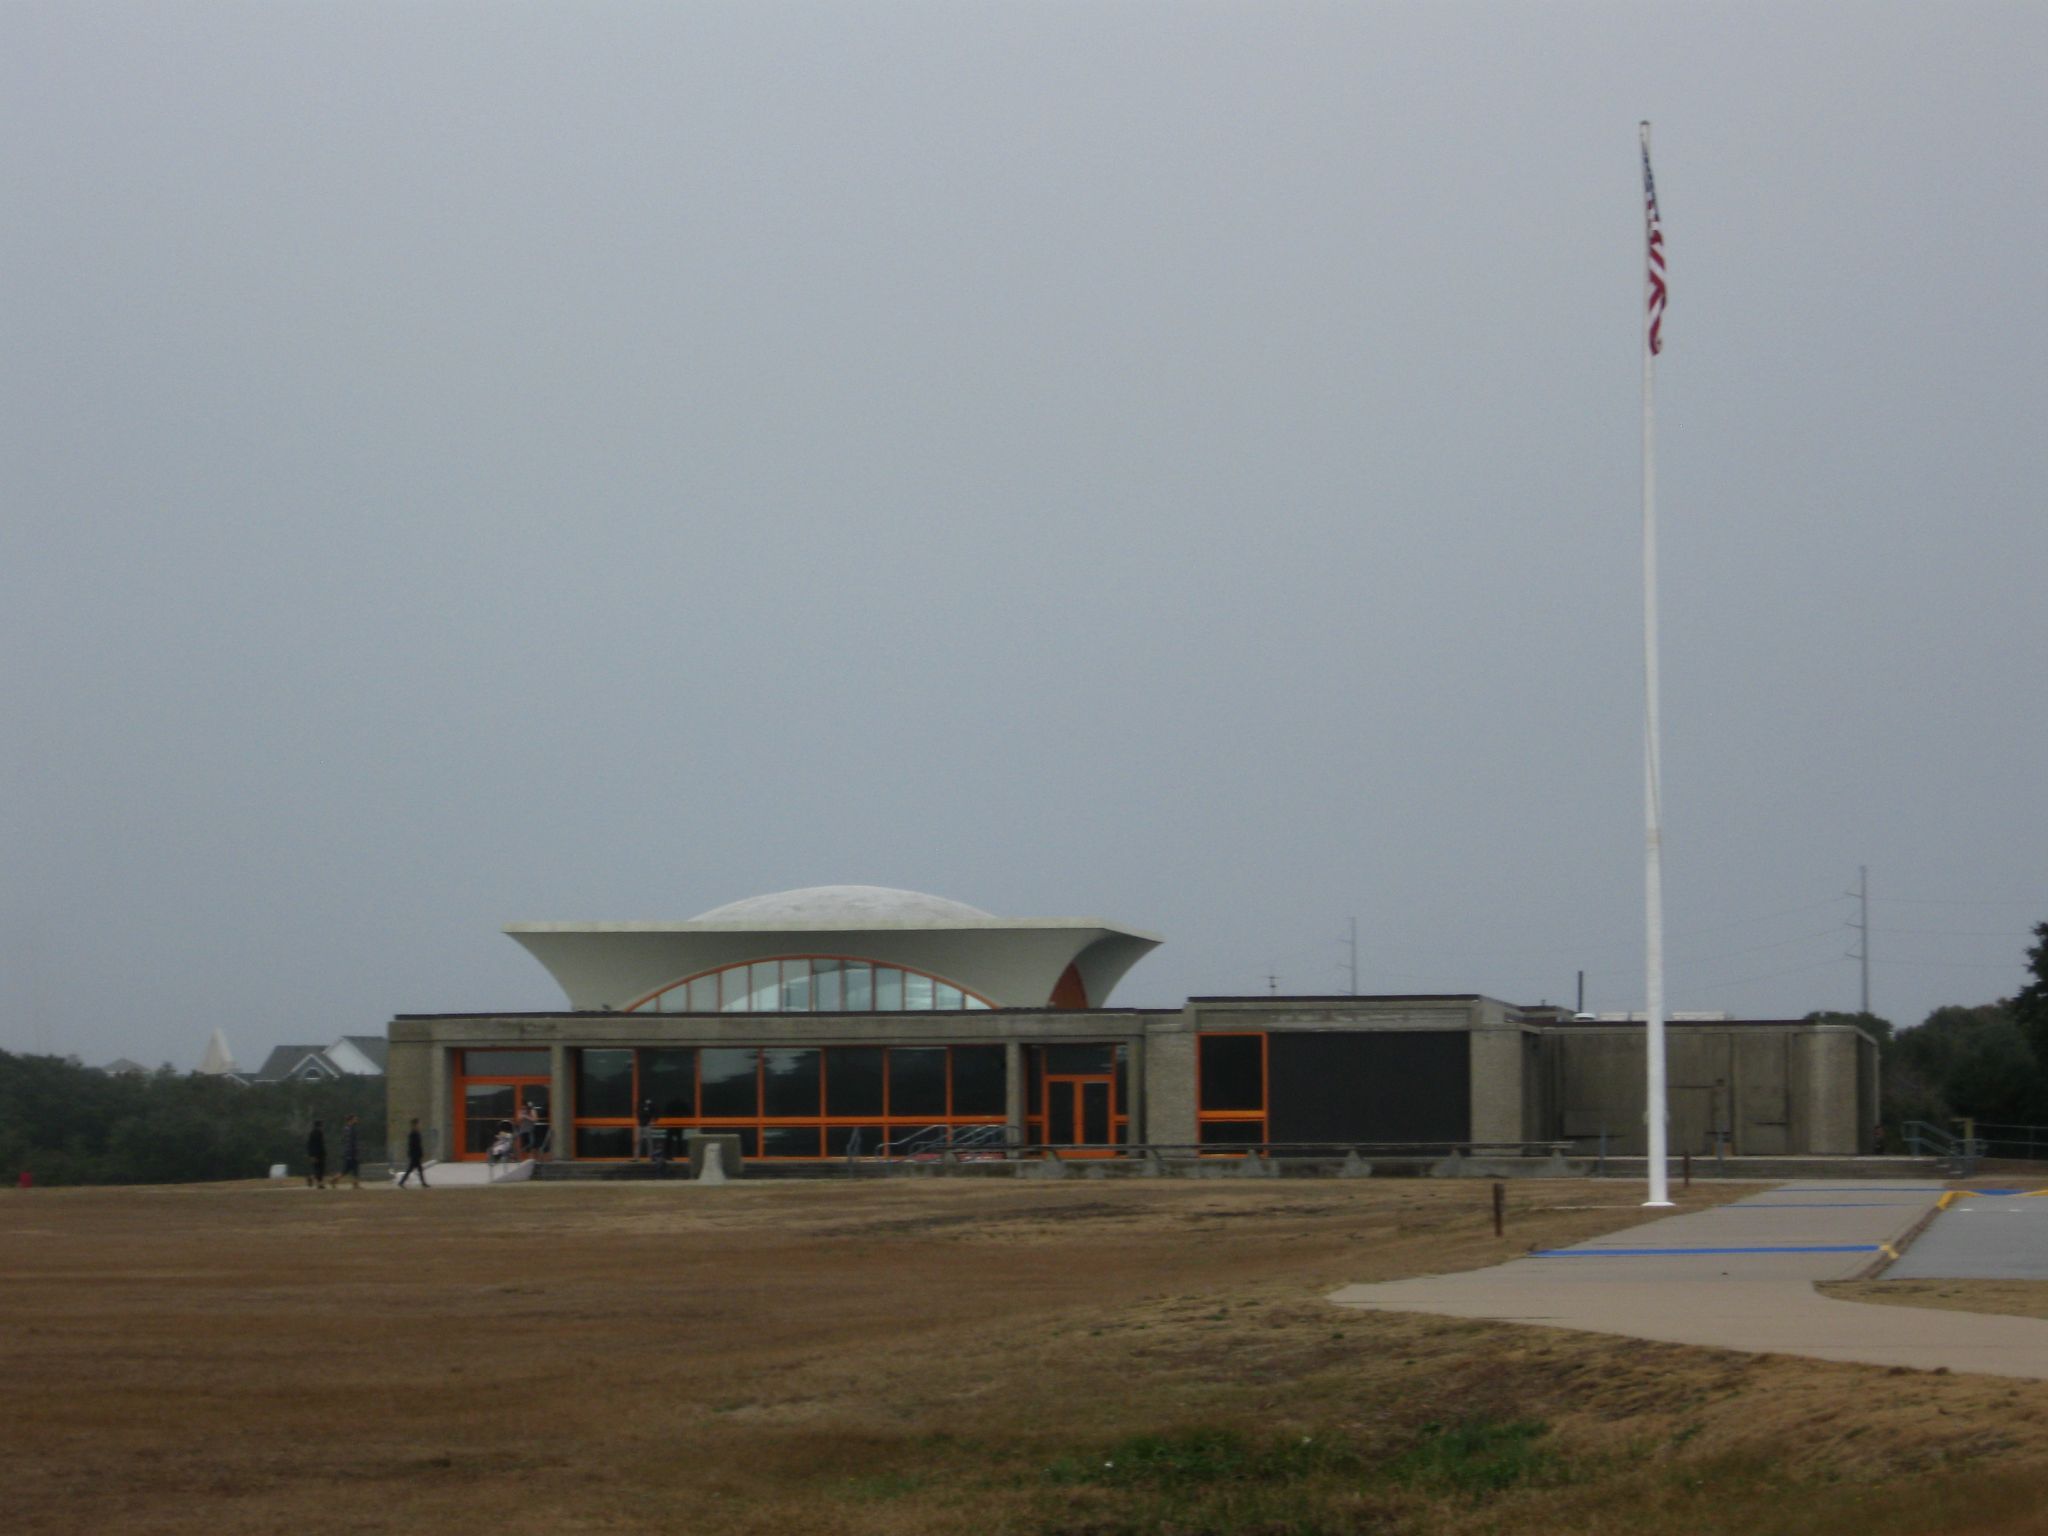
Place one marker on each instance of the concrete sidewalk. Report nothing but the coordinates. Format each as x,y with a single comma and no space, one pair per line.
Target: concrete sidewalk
1981,1236
1739,1276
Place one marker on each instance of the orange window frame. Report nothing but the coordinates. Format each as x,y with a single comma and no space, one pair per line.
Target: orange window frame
458,1110
1036,1122
760,1121
650,1002
1259,1116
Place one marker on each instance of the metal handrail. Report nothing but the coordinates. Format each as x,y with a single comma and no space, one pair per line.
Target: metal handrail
1993,1139
1329,1149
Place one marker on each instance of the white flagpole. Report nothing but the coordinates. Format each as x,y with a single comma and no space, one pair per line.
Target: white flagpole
1655,1113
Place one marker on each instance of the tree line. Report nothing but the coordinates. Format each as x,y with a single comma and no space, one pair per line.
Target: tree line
64,1123
1988,1063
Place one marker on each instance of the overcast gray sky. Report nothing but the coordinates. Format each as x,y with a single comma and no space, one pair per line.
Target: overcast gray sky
1178,463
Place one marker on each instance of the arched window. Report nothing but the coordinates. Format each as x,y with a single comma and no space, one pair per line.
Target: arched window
810,984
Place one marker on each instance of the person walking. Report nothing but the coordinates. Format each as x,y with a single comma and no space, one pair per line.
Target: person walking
415,1153
351,1156
316,1156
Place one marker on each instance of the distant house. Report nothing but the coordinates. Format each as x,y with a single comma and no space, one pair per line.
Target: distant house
360,1055
350,1056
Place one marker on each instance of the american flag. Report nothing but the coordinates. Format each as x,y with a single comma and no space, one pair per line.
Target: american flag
1656,249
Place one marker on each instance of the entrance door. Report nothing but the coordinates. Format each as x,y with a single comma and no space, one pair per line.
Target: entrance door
487,1106
1077,1111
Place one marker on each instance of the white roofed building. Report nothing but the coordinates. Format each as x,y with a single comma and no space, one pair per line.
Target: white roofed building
838,1020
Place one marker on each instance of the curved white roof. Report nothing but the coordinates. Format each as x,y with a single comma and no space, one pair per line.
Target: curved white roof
1014,962
841,904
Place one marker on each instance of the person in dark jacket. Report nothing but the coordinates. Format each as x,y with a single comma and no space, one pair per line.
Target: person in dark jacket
316,1157
415,1154
351,1155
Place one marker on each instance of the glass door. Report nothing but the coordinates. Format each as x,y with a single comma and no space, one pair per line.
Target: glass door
483,1108
1077,1113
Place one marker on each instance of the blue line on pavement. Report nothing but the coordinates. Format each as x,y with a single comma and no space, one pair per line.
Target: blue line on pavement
1814,1205
1668,1253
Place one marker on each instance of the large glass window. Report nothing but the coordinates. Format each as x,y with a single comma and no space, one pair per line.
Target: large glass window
853,1081
790,1084
726,1082
487,1108
1234,1072
796,986
669,1078
809,984
604,1141
917,1081
888,989
789,1141
1077,1060
860,986
604,1085
1232,1133
977,1080
827,992
829,1101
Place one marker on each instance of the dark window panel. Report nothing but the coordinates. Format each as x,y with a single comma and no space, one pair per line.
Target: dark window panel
487,1109
726,1082
839,1140
789,1141
1077,1060
669,1077
853,1080
604,1085
1233,1076
1232,1133
790,1082
978,1080
917,1081
1372,1085
604,1141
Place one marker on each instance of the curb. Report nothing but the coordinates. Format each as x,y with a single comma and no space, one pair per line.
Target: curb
1889,1252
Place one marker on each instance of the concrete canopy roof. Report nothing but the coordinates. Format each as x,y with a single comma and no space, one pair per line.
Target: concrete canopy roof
1012,962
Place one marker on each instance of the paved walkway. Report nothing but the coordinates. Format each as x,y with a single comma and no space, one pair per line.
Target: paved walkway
1981,1237
1740,1276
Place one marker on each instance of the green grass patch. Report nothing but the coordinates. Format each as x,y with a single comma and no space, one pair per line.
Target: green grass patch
1478,1457
1202,1457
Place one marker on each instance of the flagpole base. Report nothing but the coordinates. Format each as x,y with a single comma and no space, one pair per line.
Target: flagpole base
1663,1205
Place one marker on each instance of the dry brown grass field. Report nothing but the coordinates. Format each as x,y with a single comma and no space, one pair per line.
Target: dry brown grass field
1086,1358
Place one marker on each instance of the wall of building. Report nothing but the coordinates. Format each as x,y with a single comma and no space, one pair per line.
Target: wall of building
1462,1069
1771,1088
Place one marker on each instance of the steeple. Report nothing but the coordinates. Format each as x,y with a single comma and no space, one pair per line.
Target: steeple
218,1060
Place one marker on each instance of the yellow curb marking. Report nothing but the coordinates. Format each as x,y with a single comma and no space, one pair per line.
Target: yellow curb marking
1889,1252
1947,1195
